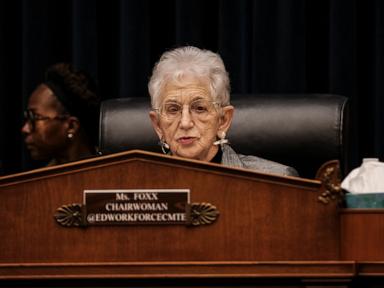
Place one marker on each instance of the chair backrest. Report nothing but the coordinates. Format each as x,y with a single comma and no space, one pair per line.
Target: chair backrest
300,130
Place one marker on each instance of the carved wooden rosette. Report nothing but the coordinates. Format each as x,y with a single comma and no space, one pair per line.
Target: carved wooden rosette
202,214
329,175
71,215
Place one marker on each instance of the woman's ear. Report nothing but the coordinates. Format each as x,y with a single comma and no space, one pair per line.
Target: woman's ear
73,125
226,118
155,123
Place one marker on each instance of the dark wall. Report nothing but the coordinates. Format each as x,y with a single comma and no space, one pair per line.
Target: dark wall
269,46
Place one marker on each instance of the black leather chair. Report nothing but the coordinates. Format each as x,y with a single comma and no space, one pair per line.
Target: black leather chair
300,130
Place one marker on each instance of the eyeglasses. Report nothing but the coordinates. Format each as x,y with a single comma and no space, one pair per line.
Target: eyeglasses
199,109
31,117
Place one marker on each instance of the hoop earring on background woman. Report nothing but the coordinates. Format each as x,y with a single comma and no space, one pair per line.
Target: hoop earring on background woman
164,146
222,140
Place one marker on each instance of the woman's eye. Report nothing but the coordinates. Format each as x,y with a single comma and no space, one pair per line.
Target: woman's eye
172,109
199,108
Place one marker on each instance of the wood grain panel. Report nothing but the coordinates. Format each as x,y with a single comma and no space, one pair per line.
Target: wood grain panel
262,217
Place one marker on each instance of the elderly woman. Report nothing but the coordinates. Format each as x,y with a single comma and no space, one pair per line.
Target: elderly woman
190,93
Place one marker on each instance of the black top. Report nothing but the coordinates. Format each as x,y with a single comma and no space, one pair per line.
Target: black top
218,156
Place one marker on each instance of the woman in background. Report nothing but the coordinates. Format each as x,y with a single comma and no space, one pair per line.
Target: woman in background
61,121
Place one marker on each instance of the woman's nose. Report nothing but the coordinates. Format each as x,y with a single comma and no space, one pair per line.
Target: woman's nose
186,120
26,128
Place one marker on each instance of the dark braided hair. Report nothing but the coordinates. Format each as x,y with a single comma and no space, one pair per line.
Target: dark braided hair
77,92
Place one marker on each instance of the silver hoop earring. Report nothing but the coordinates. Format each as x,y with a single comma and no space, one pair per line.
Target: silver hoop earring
164,146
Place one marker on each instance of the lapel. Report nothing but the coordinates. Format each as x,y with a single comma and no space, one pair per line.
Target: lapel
230,157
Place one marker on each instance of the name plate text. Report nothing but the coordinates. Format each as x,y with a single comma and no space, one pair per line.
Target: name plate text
136,207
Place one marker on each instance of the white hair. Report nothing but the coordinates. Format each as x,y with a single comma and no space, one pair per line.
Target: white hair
175,65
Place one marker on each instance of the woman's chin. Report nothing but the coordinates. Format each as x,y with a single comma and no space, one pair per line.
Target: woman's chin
187,153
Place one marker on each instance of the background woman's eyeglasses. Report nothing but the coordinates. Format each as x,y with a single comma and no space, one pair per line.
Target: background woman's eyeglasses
199,109
31,117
